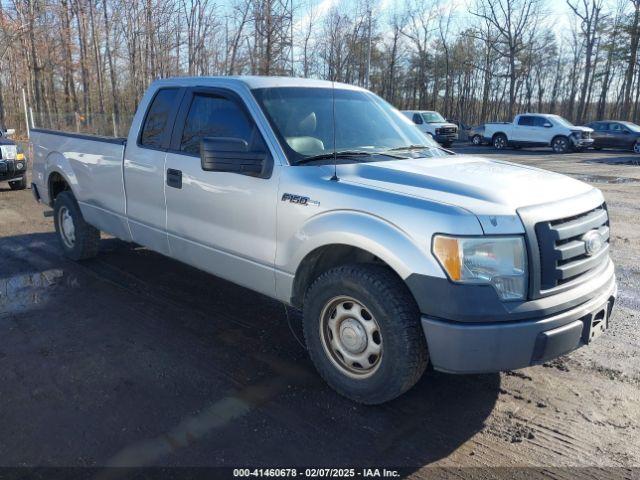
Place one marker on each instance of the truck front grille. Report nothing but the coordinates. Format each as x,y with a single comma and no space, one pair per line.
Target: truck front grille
448,130
563,250
586,135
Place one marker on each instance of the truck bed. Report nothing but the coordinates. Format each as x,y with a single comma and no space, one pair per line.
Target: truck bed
91,164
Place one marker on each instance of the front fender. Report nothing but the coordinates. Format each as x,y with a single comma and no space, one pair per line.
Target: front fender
402,252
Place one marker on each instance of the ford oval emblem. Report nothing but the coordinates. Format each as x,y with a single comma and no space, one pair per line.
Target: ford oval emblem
593,242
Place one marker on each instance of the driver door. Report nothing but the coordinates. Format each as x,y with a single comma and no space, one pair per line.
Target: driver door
220,222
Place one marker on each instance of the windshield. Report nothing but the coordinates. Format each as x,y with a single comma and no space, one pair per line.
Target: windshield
562,121
433,117
303,120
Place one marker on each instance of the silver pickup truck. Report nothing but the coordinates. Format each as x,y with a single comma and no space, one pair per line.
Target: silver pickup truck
325,197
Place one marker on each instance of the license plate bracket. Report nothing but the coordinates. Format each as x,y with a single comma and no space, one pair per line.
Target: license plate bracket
595,324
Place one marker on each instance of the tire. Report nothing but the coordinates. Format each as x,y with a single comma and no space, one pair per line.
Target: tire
18,184
500,141
636,147
377,322
560,144
476,140
78,239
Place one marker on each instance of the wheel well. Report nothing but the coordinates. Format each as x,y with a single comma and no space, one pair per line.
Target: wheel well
56,184
323,259
559,136
497,134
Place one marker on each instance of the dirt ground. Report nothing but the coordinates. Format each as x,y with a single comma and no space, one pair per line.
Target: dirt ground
132,359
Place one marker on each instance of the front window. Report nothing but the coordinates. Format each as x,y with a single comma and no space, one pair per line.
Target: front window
304,119
632,126
433,117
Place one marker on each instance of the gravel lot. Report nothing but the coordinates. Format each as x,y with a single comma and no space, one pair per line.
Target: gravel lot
133,359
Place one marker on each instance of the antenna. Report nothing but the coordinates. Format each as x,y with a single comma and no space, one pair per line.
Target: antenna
335,153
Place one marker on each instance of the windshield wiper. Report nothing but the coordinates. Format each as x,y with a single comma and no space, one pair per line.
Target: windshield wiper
343,154
411,147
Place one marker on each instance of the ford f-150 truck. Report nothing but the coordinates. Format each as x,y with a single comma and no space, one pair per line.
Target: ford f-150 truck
13,164
538,130
434,125
325,197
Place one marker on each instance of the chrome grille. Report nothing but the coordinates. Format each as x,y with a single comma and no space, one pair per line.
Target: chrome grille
563,252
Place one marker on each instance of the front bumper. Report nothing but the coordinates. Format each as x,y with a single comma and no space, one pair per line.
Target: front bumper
582,142
446,137
481,347
12,169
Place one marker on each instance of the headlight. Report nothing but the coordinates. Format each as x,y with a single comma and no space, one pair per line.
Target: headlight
20,156
497,261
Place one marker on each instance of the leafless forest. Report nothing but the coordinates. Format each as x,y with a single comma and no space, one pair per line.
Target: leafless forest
84,64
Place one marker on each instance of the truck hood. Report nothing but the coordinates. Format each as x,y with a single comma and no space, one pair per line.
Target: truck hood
479,185
580,129
441,124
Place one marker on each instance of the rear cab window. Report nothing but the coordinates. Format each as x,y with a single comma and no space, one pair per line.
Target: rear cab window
525,121
156,128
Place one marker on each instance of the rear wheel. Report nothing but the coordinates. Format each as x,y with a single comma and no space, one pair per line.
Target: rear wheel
476,140
18,184
362,329
636,147
78,239
500,142
560,144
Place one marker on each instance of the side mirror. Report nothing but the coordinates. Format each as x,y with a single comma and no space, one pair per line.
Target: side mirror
232,155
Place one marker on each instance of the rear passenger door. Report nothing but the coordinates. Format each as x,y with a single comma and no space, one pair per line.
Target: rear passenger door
220,222
144,170
524,132
600,134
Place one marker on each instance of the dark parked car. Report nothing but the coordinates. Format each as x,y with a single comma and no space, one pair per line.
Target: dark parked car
475,135
615,134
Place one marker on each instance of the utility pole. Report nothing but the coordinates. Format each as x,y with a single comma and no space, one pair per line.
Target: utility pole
368,72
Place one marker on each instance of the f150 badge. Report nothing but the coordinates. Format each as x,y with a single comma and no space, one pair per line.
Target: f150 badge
299,200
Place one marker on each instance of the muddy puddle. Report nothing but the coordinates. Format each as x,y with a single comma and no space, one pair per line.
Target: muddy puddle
605,179
22,292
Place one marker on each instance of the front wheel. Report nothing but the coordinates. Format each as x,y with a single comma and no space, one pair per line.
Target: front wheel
476,140
78,239
560,145
362,329
18,184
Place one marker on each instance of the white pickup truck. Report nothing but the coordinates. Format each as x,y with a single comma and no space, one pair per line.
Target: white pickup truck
538,130
325,197
434,125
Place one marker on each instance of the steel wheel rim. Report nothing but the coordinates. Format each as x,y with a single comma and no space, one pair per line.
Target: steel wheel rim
67,228
351,337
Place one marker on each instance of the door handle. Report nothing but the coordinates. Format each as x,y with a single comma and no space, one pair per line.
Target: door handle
174,178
